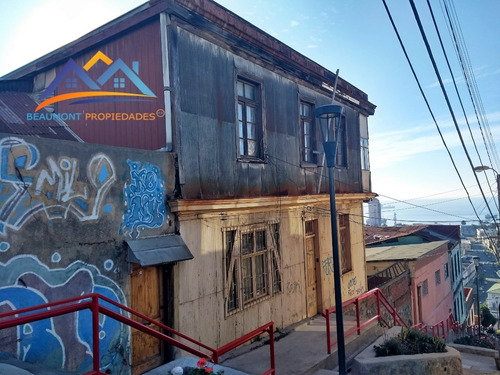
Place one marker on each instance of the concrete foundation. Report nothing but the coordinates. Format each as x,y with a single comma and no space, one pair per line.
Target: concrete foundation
418,364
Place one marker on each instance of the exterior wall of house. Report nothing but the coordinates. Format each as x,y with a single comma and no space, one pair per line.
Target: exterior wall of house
201,302
207,137
437,303
65,211
453,269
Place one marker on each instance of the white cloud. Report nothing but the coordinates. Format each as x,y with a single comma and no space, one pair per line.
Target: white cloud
294,23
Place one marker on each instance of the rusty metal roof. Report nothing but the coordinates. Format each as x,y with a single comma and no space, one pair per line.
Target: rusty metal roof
402,252
432,232
15,108
375,235
158,250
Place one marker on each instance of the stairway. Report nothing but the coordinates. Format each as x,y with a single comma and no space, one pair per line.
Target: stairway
302,350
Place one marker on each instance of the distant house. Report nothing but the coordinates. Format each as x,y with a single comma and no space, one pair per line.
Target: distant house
415,234
493,300
430,284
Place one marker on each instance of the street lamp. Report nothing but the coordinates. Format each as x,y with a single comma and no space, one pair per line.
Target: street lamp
476,263
482,168
329,117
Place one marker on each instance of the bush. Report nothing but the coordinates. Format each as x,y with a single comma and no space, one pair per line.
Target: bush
487,317
483,342
410,341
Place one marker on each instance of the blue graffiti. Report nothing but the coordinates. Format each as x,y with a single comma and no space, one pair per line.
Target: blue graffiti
55,189
144,198
31,334
26,282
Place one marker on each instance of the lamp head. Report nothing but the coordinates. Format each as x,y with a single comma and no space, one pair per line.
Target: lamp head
481,168
329,117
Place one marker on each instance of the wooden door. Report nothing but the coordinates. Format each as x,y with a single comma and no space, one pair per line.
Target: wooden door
312,303
419,304
145,299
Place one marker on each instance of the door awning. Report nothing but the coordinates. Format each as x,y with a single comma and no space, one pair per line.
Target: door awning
158,250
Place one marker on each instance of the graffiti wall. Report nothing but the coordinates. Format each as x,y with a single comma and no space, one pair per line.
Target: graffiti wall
66,210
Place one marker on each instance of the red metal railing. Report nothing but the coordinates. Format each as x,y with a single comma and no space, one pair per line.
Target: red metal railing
91,301
441,329
382,301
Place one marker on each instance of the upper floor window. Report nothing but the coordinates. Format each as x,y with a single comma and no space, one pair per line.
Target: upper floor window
363,127
341,158
365,161
308,132
437,276
425,288
249,119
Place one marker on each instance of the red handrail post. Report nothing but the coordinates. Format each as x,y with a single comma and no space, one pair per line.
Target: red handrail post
358,323
95,332
378,304
328,338
271,347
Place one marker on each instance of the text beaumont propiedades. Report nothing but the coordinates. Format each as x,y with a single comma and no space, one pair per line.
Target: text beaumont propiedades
92,116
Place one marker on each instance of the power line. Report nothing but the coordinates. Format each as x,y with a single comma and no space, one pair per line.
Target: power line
427,102
456,88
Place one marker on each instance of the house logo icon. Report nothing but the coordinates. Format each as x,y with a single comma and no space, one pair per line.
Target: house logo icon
94,92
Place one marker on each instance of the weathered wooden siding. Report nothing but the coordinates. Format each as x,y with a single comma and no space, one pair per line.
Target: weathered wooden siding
206,128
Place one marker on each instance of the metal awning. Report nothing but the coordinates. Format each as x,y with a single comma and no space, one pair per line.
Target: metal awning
158,250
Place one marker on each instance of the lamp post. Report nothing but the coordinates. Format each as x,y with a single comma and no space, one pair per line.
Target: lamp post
482,168
329,117
476,263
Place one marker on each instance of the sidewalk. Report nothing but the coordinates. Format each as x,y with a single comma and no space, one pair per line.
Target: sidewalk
474,364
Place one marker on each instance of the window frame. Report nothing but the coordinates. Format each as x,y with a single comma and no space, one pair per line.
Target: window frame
258,104
425,288
313,135
437,277
235,299
341,155
364,142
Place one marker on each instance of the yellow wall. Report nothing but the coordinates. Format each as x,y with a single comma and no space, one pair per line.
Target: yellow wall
199,283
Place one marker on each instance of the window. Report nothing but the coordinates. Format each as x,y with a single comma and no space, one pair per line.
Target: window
249,124
71,83
252,265
425,288
446,271
341,159
365,161
345,243
119,83
363,130
437,276
308,132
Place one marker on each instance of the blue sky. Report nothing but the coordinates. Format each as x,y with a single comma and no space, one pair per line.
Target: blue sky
408,159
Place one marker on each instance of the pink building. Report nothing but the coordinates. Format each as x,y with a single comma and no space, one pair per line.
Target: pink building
430,282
